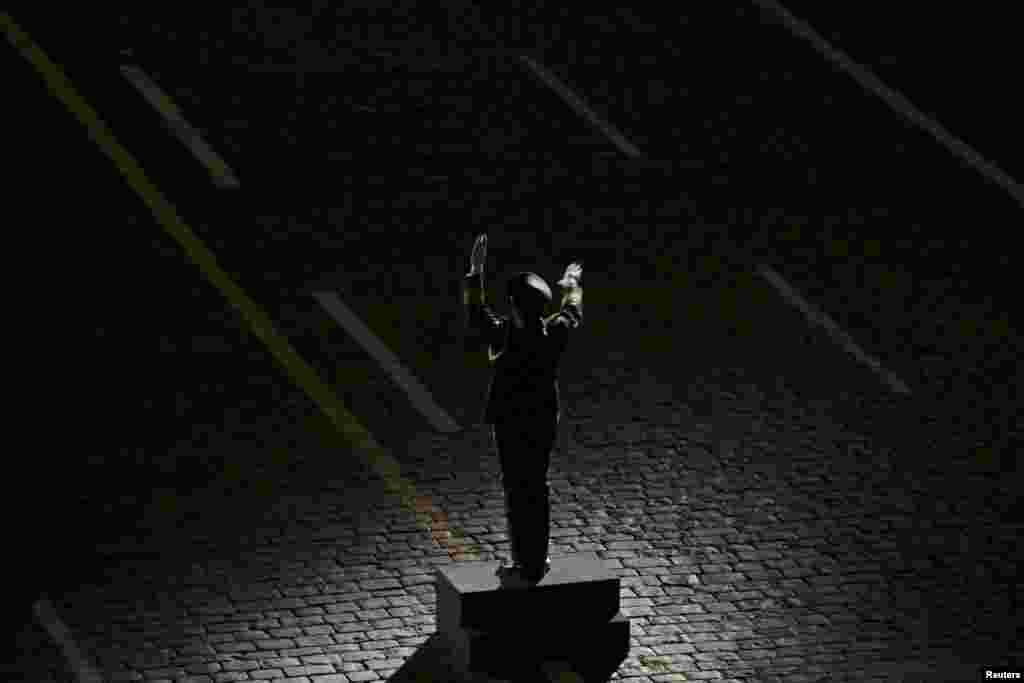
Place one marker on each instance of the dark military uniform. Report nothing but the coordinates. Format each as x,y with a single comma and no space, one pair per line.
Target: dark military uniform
523,407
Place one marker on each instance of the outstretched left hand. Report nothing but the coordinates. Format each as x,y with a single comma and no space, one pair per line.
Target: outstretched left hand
479,255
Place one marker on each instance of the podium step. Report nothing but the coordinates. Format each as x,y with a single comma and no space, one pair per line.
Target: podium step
593,652
577,590
500,627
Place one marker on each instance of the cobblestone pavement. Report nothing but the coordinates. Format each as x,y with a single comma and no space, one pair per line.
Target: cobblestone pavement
757,536
774,515
759,542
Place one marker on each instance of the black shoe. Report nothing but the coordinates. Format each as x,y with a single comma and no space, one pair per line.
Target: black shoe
516,570
514,566
510,576
534,576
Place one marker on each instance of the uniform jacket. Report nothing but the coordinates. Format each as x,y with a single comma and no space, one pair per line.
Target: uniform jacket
524,384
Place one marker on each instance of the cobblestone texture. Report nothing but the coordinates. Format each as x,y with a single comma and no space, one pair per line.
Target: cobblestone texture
781,549
762,534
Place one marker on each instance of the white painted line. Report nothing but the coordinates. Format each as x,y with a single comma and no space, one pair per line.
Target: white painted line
220,172
47,617
418,394
819,318
834,331
581,108
897,101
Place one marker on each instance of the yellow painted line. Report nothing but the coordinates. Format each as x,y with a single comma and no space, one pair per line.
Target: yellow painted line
219,170
560,671
364,445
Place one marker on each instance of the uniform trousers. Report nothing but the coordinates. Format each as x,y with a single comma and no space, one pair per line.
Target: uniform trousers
524,448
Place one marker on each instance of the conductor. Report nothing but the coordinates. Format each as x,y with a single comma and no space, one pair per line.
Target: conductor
522,405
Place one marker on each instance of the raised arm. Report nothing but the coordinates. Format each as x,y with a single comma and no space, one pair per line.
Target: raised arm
571,311
485,326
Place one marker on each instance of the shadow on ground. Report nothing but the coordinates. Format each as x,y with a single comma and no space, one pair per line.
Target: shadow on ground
432,663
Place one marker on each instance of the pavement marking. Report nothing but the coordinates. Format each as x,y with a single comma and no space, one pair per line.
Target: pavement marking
581,108
47,617
417,393
429,517
219,170
820,318
364,445
837,334
894,99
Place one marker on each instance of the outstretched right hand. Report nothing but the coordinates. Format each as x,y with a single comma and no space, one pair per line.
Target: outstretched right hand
573,275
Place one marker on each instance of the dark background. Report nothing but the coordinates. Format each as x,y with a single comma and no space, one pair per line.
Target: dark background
769,154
